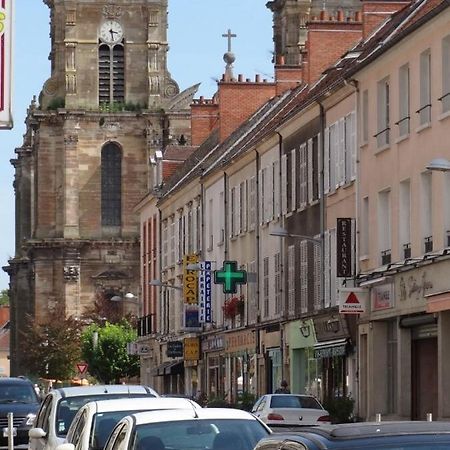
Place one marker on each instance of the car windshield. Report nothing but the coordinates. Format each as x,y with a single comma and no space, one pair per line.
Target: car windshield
409,446
294,401
18,393
199,434
103,425
69,406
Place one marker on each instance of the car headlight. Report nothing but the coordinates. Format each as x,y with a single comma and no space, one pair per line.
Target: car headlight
30,419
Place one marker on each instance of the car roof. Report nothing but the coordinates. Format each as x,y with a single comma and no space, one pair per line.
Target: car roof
184,414
98,389
124,404
14,380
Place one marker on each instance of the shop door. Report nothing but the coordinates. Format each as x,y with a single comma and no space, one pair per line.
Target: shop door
424,378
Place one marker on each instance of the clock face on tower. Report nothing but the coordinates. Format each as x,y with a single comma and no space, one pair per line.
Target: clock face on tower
111,32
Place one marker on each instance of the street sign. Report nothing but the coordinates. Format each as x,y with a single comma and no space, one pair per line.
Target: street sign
82,368
230,276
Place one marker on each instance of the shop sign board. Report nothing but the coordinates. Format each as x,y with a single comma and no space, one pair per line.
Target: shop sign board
344,247
240,341
205,291
191,349
174,349
352,300
190,280
382,296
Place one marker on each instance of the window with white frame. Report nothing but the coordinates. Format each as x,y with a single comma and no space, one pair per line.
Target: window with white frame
350,147
403,101
383,113
304,276
291,275
243,207
365,116
445,98
172,240
303,175
252,204
180,232
425,88
427,211
221,218
364,228
165,247
198,227
278,305
262,195
268,194
384,226
284,185
276,189
189,230
405,219
293,184
266,286
232,218
211,212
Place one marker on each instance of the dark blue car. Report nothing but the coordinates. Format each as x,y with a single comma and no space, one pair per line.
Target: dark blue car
363,436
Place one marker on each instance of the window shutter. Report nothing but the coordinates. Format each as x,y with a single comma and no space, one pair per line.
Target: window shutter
244,210
261,196
318,174
238,210
333,280
172,241
283,185
293,180
310,171
252,205
194,230
291,279
353,146
276,188
317,251
270,193
278,306
232,220
341,158
304,276
326,266
326,162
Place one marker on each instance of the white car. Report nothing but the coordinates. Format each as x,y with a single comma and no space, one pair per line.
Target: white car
94,422
197,429
288,410
60,406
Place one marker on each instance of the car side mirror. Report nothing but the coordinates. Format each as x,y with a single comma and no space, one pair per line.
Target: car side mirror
36,433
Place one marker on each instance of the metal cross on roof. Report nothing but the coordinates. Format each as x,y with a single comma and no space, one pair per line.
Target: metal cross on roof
229,35
230,276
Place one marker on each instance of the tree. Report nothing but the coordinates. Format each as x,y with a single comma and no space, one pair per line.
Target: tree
52,347
4,297
104,348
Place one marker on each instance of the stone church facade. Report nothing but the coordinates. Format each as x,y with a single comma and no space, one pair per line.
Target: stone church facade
109,107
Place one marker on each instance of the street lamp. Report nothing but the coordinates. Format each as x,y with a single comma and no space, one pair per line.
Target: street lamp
128,297
439,164
282,232
159,283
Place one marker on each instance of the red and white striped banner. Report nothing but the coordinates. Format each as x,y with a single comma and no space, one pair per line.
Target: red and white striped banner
6,52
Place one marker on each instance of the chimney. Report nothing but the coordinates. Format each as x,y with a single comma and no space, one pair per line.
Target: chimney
239,100
287,77
328,39
375,12
204,118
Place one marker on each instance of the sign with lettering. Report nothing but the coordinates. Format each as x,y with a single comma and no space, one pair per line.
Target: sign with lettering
174,349
240,342
382,296
344,266
329,352
190,280
205,293
352,300
6,33
191,317
191,349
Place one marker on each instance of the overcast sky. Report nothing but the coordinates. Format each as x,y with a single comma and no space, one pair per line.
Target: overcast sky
195,56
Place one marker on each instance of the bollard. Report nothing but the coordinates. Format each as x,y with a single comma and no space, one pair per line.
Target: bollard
377,417
429,417
10,431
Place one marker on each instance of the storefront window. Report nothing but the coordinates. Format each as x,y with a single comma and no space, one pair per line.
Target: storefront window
313,382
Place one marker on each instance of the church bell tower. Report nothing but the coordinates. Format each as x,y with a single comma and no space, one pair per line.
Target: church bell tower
108,107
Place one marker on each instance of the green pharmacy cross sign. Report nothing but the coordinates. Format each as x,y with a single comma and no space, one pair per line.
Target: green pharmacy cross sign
230,276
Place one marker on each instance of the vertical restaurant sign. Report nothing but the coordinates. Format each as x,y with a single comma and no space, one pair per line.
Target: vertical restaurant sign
204,288
190,281
344,247
6,33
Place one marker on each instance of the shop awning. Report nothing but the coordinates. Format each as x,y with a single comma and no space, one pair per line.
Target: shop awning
174,368
328,349
160,370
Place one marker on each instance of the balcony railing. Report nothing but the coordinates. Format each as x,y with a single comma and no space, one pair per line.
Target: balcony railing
145,325
407,250
428,244
386,257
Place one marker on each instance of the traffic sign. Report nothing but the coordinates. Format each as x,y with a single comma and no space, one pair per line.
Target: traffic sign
82,368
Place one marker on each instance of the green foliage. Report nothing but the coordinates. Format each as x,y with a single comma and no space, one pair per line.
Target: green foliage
4,297
218,402
340,409
56,103
53,347
118,106
246,400
104,348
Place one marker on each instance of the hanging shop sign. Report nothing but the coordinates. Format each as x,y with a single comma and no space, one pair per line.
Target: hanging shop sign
382,296
344,247
229,276
352,300
205,292
174,349
191,349
6,49
190,280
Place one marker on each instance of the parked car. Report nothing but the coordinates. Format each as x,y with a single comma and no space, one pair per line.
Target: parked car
60,406
364,436
17,396
287,410
94,421
197,429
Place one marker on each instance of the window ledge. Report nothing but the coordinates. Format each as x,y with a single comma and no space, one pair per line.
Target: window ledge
402,138
382,149
423,127
444,115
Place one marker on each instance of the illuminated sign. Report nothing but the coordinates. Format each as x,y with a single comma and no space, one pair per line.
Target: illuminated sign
230,277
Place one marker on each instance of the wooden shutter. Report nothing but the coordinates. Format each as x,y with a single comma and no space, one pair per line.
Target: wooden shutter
304,276
292,206
310,171
284,185
326,162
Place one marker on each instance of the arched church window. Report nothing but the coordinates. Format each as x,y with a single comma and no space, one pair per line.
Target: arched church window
111,73
111,195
